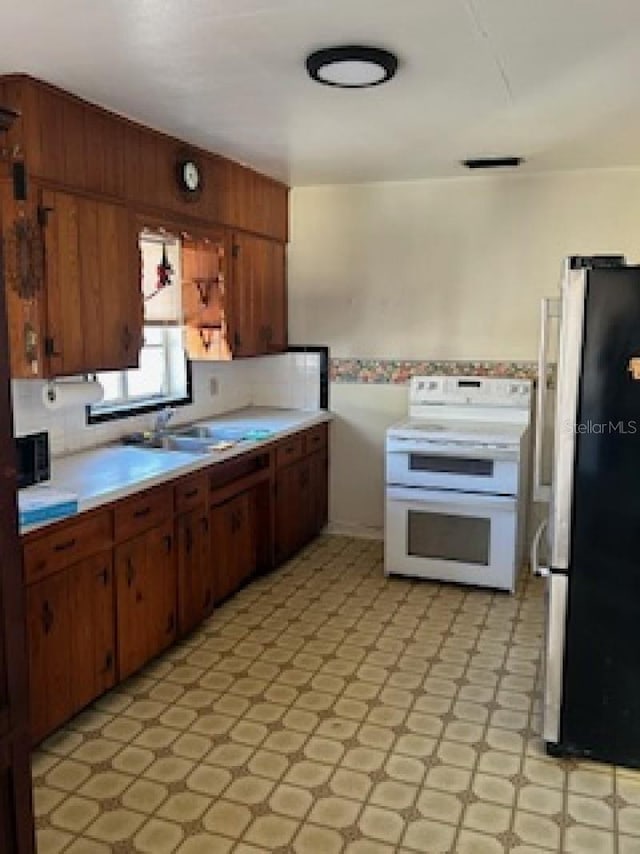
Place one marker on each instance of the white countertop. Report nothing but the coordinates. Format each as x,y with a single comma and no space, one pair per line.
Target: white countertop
101,475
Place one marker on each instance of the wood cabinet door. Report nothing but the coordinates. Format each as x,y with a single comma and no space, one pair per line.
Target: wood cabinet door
222,533
49,626
319,472
274,298
244,539
195,569
289,514
132,607
93,293
162,576
92,662
258,296
243,290
233,543
146,596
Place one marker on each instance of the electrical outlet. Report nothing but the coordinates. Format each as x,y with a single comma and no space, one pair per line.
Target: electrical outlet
214,387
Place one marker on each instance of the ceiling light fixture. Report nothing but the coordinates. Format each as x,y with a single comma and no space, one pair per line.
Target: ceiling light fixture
351,66
492,162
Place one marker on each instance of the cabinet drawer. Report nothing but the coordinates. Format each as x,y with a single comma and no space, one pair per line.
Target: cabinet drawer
289,451
191,491
315,438
146,510
66,545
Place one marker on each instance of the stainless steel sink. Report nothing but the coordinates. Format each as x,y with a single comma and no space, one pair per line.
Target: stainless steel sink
187,444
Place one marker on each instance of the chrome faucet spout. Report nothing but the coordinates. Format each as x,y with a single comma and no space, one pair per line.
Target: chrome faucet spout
162,419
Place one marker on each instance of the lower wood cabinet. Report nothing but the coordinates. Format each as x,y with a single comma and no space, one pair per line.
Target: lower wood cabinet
98,612
233,543
70,619
146,596
196,569
301,492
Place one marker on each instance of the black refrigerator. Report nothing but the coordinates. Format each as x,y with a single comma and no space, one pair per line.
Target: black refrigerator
592,649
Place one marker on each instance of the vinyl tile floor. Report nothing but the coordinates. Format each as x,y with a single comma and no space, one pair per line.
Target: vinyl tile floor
326,708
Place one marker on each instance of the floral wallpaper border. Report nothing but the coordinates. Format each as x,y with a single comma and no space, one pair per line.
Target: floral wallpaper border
400,371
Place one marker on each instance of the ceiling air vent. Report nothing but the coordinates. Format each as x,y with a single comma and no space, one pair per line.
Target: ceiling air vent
492,162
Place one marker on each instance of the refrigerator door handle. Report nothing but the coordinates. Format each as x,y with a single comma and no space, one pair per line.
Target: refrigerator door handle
536,568
549,308
557,596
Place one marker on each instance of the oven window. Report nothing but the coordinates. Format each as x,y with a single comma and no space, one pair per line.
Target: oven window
464,539
451,465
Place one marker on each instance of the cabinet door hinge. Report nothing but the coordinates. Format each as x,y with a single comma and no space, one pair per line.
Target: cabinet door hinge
43,215
235,250
50,347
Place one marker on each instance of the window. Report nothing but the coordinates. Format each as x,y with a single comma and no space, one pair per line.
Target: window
163,374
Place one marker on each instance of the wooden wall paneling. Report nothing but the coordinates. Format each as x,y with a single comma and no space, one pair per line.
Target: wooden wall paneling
16,818
51,163
75,148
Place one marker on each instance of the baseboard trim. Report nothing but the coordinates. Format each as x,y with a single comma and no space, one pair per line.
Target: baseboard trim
350,529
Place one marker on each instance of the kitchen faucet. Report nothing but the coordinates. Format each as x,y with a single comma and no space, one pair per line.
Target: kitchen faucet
162,419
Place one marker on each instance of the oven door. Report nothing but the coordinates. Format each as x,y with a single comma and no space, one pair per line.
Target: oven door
463,537
452,465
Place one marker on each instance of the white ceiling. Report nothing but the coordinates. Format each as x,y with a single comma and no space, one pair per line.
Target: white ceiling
556,81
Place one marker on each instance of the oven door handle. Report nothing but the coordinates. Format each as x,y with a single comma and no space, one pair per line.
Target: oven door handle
460,500
468,453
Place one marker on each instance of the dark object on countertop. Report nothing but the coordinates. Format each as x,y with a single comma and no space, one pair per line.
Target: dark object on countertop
34,462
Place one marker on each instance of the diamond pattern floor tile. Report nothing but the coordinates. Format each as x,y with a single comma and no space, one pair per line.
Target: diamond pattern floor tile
326,709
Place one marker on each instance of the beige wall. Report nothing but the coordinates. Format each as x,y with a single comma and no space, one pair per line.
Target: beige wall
446,269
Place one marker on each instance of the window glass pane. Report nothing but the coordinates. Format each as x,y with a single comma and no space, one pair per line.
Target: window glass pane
153,336
111,383
161,303
150,378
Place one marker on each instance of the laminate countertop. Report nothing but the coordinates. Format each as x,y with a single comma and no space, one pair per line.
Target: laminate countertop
104,474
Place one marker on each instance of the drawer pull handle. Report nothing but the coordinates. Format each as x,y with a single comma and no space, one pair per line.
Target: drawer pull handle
47,617
192,493
131,573
140,514
68,544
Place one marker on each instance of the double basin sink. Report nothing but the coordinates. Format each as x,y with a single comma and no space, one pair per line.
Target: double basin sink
202,438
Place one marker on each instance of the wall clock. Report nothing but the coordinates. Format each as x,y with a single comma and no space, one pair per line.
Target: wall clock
189,177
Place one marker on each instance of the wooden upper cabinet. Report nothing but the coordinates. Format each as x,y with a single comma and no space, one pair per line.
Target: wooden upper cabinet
68,142
94,310
257,296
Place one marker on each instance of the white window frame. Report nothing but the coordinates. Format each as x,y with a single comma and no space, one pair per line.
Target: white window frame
129,404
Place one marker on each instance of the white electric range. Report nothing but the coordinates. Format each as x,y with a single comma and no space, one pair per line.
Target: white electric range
457,480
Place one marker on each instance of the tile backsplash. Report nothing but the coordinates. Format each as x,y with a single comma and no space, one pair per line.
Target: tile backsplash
289,380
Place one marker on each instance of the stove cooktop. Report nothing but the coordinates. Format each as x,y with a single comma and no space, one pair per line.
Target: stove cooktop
460,430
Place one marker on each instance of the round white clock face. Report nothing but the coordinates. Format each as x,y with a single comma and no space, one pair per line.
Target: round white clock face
190,175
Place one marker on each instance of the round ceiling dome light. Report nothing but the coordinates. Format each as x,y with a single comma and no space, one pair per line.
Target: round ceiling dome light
352,66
